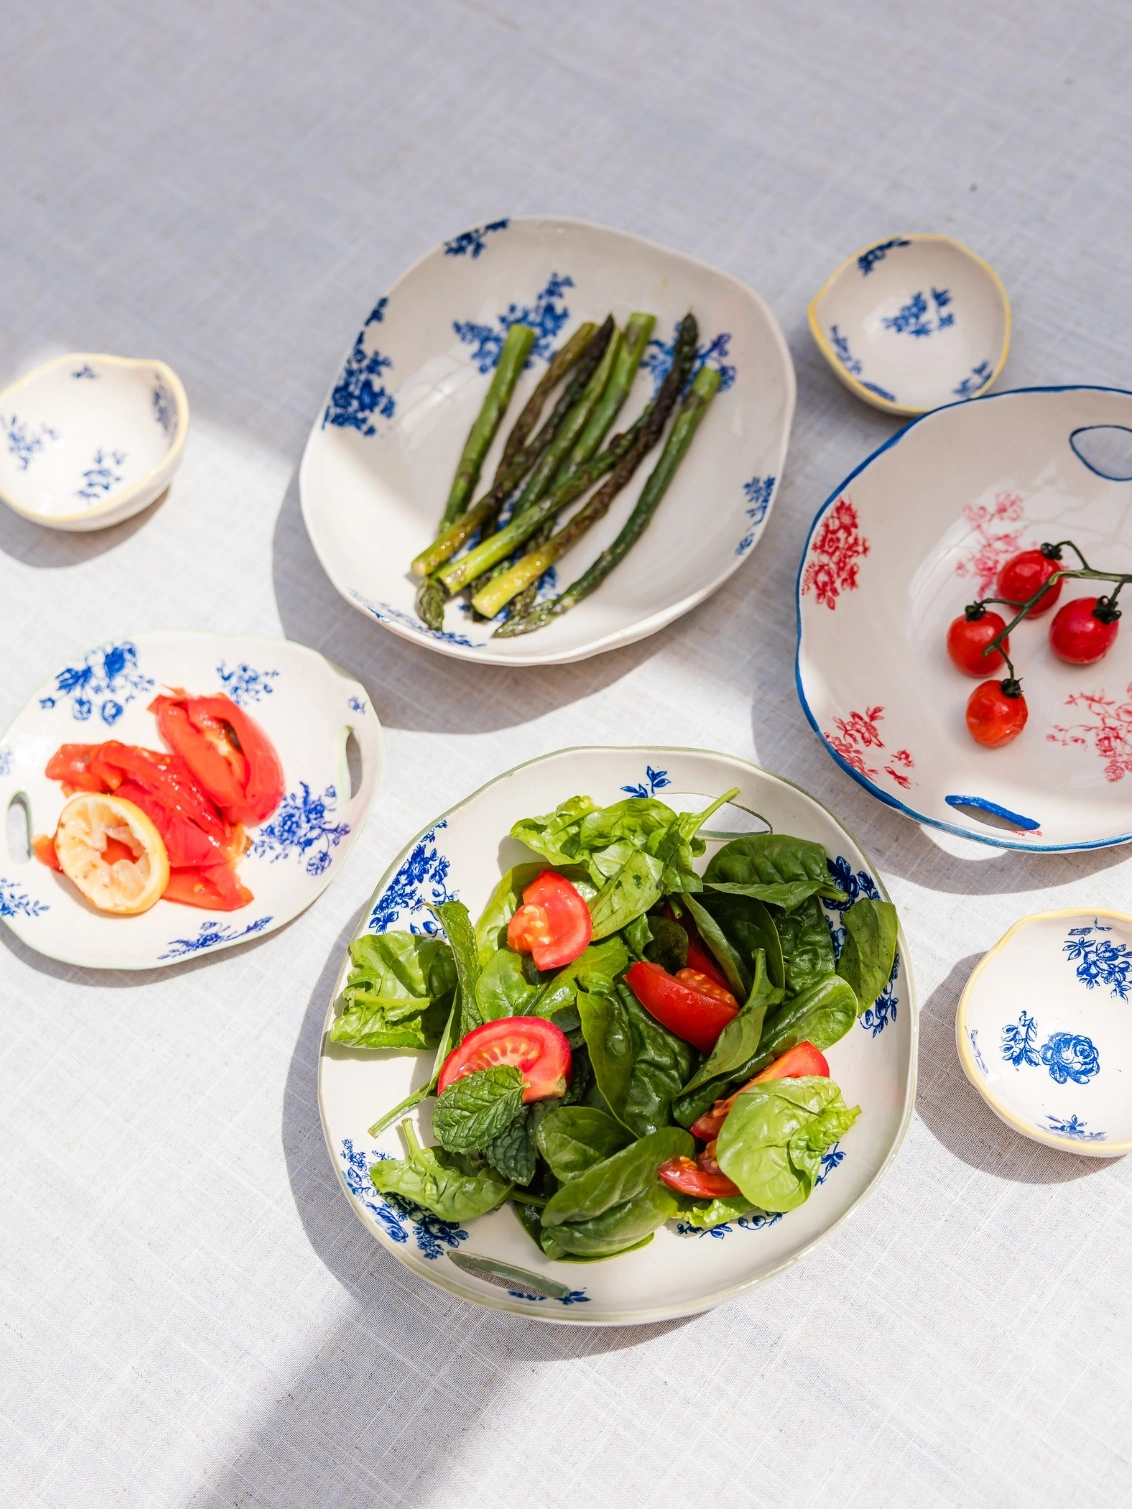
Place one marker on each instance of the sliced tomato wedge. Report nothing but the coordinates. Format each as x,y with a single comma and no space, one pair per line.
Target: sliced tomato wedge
796,1063
688,1178
694,1008
554,924
215,887
537,1048
226,750
699,959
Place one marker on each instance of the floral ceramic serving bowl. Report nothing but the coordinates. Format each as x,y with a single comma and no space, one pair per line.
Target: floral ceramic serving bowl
1044,1030
89,440
492,1261
308,709
916,532
381,456
913,322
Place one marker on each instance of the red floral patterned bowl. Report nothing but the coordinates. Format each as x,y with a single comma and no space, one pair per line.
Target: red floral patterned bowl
918,530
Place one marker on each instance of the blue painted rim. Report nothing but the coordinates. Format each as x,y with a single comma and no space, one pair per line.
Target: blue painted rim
1003,841
983,805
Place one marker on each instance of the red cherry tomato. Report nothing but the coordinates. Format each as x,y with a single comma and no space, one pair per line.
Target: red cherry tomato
1079,634
798,1062
688,1178
696,1008
994,715
1022,575
537,1048
553,925
967,638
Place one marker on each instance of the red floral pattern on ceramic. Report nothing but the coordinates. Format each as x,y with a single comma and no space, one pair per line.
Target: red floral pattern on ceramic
859,732
994,543
1110,732
838,547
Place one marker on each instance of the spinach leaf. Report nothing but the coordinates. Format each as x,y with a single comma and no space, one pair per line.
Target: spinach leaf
503,988
445,1183
739,1040
638,1064
574,1138
609,958
630,891
398,993
582,1081
638,936
729,959
870,948
422,1092
617,1178
513,1152
704,1214
457,924
772,1141
807,947
503,903
622,1227
555,836
668,944
772,867
477,1108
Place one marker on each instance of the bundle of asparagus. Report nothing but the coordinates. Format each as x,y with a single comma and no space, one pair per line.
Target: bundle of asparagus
546,473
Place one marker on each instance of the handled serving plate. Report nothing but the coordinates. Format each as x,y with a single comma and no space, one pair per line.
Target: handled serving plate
382,453
308,709
491,1260
917,531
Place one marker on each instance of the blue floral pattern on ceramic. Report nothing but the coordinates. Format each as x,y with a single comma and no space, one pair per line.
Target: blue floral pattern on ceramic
573,1297
858,884
546,317
973,1035
245,684
86,370
759,1220
915,317
1070,1126
852,365
100,476
978,378
302,826
14,902
360,397
1100,961
758,492
394,1213
883,1010
854,885
106,681
421,882
387,613
357,705
22,443
164,410
472,242
1018,1046
209,935
657,360
1068,1055
869,259
5,760
656,781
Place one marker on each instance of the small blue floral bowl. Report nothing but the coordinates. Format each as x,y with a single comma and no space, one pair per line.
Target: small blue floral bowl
913,322
1044,1030
89,440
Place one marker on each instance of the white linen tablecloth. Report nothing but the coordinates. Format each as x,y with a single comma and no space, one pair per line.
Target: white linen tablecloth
191,1314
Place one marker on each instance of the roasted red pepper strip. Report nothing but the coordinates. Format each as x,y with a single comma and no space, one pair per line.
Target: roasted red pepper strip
216,887
71,764
228,753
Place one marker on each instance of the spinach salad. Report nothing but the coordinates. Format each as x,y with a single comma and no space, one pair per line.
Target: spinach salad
619,1040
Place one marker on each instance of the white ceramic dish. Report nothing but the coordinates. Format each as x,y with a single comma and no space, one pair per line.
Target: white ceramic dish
461,856
89,439
308,709
381,456
913,322
916,532
1044,1030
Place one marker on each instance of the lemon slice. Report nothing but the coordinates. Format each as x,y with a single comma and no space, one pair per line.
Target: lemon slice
94,837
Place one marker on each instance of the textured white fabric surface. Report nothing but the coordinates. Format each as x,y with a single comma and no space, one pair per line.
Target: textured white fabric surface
191,1314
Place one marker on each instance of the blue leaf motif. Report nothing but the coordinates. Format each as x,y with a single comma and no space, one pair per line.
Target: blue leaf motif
210,934
1071,1127
1018,1041
473,241
387,613
656,780
758,492
980,376
302,826
17,903
100,476
360,398
657,361
244,684
869,259
915,317
21,442
1100,961
546,317
421,882
108,678
394,1212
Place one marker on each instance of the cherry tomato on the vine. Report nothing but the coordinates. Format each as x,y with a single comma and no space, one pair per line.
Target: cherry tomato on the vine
1023,574
996,713
1084,630
969,636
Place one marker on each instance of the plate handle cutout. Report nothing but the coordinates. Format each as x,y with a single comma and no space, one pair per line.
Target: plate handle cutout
992,814
18,828
1105,449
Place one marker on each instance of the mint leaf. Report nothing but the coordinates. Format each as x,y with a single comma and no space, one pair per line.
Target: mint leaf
476,1109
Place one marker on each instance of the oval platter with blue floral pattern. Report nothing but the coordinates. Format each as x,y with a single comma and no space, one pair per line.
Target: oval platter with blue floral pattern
307,707
491,1260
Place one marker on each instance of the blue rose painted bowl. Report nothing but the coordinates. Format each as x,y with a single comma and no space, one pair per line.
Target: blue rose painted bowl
382,453
491,1260
1044,1030
913,322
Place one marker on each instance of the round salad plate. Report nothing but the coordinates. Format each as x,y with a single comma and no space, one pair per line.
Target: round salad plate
913,322
920,529
491,1260
308,708
1044,1031
382,454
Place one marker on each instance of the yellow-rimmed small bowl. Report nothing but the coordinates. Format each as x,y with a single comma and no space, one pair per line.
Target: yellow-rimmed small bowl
1044,1030
87,440
913,322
